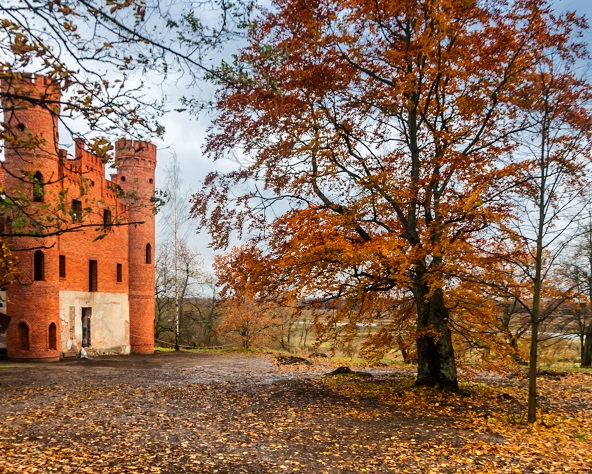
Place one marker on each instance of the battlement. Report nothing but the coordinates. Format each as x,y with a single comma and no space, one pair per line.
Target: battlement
138,151
27,96
86,157
29,85
37,80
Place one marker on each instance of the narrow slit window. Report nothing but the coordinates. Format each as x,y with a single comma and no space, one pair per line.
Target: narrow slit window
76,210
93,275
119,273
39,266
62,266
148,253
6,227
107,219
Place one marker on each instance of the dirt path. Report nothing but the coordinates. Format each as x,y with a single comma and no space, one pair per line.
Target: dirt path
158,369
241,413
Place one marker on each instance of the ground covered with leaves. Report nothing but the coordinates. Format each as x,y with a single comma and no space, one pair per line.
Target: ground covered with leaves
236,412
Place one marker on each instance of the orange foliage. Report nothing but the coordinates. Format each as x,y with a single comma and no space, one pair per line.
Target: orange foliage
377,140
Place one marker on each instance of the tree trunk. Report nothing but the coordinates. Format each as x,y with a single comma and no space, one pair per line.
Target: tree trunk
532,372
435,354
305,329
513,341
587,350
538,287
289,337
177,320
586,359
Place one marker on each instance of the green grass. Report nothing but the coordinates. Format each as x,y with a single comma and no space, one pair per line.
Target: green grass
164,349
220,350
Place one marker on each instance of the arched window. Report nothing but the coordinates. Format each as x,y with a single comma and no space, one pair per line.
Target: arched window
53,337
23,336
39,266
148,253
38,187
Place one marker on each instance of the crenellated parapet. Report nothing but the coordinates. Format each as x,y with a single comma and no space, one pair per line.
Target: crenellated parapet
130,153
23,90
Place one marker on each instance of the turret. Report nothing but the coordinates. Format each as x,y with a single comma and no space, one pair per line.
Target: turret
31,106
30,168
136,162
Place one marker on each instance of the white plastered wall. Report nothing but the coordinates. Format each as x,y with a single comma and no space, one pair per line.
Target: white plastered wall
109,322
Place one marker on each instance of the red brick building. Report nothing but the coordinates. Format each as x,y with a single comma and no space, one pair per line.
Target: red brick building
92,286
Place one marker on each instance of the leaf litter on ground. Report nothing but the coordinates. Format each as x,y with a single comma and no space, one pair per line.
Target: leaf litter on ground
288,418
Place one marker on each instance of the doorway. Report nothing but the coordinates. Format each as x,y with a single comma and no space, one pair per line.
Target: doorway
86,313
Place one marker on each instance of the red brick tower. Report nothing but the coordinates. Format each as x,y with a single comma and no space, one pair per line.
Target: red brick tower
30,173
136,162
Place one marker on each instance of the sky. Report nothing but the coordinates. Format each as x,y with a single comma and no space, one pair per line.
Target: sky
185,137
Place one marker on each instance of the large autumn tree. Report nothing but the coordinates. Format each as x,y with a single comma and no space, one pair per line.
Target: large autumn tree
374,143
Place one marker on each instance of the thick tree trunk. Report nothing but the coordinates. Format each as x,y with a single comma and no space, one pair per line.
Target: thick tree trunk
587,349
435,354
